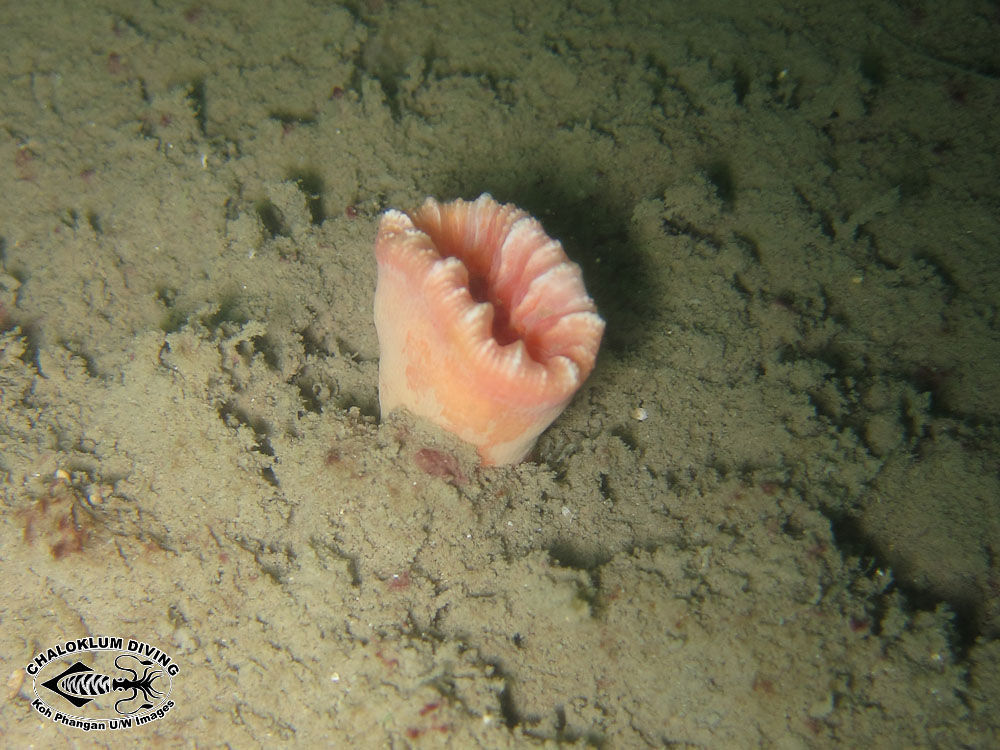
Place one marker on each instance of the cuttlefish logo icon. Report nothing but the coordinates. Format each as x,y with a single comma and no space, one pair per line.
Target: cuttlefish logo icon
126,684
79,684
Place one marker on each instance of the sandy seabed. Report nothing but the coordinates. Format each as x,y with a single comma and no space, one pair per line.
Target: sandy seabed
771,518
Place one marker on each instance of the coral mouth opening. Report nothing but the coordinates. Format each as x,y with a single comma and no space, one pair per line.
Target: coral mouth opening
503,332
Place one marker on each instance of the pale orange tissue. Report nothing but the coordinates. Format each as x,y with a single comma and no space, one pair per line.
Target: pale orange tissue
484,325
